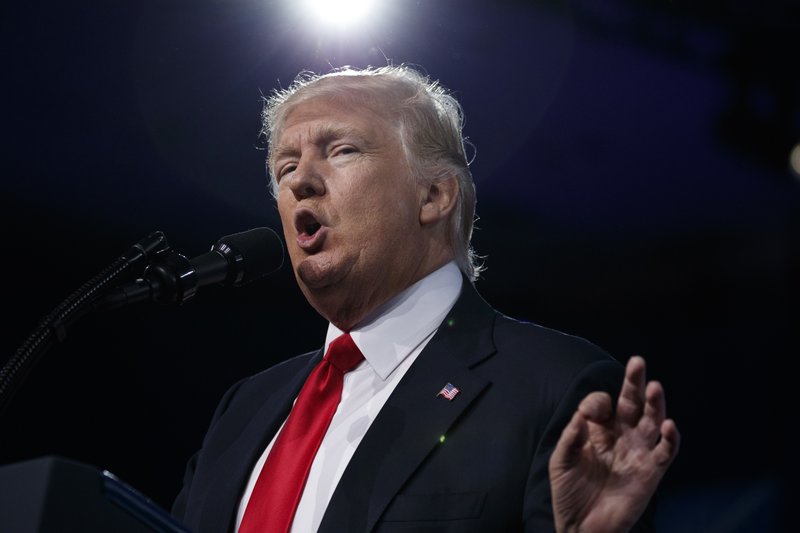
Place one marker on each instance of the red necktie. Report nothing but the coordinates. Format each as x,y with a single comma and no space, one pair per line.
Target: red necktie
280,484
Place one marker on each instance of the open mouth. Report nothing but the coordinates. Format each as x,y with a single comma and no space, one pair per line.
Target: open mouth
311,228
306,224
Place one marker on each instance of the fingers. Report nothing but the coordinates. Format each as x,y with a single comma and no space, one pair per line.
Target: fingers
596,407
639,422
655,409
667,448
568,449
644,406
632,395
656,404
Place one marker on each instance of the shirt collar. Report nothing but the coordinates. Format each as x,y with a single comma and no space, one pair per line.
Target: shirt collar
392,332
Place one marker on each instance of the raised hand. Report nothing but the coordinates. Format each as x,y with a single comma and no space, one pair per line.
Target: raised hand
607,465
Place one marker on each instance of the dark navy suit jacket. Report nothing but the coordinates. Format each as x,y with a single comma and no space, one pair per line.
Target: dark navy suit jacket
477,463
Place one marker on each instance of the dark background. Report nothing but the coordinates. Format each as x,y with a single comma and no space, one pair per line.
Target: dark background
634,188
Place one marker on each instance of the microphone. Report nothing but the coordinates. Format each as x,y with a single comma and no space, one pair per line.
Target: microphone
241,258
233,261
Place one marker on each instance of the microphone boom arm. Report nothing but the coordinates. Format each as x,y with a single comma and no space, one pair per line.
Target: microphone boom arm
168,278
53,327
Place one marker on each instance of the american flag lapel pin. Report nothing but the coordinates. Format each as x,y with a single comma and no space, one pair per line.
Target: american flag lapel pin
449,391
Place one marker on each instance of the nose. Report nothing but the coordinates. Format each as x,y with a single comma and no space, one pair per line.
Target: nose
306,180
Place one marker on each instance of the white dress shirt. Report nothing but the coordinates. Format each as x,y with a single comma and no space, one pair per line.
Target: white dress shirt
391,338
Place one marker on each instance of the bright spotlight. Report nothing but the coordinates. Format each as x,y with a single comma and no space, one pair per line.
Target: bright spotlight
339,12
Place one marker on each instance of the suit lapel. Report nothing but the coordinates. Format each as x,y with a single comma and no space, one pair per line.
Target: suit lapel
414,419
235,466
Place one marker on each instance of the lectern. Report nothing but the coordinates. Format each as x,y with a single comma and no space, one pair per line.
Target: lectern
52,494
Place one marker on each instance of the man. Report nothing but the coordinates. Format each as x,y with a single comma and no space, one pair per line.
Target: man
457,417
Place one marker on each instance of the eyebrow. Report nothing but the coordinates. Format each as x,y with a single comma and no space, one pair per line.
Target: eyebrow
323,135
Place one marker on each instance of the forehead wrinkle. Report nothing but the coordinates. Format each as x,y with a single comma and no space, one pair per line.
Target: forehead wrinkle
324,134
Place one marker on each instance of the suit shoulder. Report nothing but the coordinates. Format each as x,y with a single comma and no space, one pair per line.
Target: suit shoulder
512,330
261,383
546,346
555,369
279,373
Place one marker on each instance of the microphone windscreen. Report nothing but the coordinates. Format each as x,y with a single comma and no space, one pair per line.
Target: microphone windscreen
258,252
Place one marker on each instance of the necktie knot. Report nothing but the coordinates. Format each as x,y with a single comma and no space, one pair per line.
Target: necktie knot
343,354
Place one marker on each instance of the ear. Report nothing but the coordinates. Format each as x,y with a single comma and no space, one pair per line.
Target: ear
438,201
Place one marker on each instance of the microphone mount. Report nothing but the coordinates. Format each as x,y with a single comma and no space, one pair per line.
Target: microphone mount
167,277
53,327
171,278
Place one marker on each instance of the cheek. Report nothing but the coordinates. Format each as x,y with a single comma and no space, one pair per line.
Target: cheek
375,204
285,211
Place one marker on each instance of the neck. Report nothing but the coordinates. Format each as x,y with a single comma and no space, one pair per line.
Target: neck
347,310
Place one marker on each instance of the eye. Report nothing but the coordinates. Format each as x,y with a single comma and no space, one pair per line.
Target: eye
285,169
344,150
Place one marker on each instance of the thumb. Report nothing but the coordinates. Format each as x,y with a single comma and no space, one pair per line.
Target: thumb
568,448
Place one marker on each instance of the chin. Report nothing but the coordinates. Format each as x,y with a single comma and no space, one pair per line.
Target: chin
316,274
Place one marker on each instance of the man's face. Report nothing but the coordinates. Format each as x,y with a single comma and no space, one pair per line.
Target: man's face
349,207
